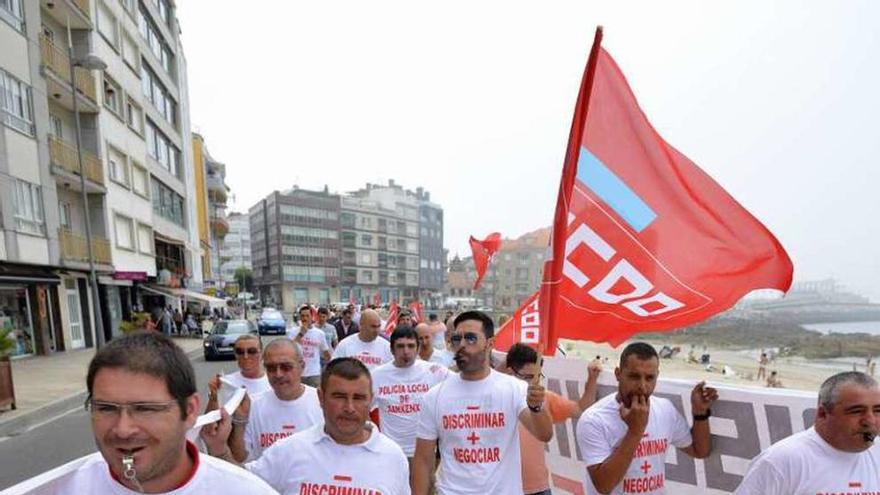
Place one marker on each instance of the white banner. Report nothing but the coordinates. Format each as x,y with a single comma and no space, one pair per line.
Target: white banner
745,421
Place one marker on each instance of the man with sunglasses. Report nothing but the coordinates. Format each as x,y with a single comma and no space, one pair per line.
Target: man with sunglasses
291,407
142,399
520,358
366,346
474,417
250,373
398,388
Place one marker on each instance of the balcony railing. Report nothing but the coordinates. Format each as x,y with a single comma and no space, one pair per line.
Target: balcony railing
63,154
56,59
75,248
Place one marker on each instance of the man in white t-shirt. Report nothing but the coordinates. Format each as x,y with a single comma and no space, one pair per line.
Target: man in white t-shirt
365,346
838,455
142,400
624,436
289,408
398,388
474,417
250,373
345,454
314,347
426,347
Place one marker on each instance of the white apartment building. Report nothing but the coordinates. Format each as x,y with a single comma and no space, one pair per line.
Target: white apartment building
235,250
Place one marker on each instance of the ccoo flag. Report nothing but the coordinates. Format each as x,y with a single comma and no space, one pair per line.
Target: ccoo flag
643,240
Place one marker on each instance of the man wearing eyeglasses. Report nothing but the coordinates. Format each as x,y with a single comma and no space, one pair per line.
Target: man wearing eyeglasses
365,346
519,362
142,399
291,407
250,373
474,417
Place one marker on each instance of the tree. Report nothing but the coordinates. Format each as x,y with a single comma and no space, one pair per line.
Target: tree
245,279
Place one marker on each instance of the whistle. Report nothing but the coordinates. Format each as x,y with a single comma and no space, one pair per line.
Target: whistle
128,468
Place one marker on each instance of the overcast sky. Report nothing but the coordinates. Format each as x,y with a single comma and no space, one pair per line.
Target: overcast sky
778,101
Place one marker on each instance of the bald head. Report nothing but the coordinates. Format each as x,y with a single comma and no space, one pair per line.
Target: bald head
423,331
371,323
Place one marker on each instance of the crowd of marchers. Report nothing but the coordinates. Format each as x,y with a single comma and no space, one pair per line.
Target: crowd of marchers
338,408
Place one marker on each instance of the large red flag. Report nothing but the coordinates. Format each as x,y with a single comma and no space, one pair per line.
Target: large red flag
483,251
415,308
391,323
643,240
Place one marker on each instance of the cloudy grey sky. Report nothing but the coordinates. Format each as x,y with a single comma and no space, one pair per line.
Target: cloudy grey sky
777,100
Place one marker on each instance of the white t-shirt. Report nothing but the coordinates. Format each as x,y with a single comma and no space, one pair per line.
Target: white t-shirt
443,358
272,419
313,344
310,462
476,424
254,386
805,464
600,430
211,476
372,354
398,393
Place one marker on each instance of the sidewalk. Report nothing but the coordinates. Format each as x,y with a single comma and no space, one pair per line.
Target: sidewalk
47,386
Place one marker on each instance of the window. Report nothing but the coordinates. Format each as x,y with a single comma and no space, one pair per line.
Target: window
12,12
64,214
117,163
423,263
367,275
112,95
162,150
55,126
167,203
145,239
140,182
124,228
134,116
107,25
15,103
157,94
366,239
29,208
154,40
130,5
130,52
365,258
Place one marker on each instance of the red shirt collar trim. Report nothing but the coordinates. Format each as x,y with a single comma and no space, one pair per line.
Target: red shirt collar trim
191,450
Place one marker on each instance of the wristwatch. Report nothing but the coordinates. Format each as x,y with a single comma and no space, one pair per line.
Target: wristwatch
703,417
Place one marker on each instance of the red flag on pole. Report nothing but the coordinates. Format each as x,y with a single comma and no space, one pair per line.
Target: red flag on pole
377,300
415,308
391,324
483,251
643,240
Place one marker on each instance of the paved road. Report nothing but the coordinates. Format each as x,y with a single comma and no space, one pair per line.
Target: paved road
68,437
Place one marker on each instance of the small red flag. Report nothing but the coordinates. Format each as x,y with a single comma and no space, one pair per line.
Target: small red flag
377,300
391,324
415,308
483,252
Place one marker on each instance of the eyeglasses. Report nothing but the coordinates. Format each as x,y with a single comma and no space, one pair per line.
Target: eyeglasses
525,377
138,411
284,367
470,338
250,351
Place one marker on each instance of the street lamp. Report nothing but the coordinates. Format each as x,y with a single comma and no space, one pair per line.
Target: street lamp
87,62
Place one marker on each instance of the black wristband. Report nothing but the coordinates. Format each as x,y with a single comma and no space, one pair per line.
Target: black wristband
703,417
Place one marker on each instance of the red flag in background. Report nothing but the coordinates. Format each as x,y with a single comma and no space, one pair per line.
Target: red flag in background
521,327
643,240
415,308
391,323
377,300
483,251
314,312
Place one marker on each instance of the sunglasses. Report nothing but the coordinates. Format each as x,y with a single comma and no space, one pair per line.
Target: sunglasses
470,338
284,367
250,351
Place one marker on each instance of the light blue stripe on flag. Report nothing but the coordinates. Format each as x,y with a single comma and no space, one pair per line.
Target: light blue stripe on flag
613,191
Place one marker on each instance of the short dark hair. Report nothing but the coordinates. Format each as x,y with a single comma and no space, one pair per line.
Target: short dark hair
432,316
403,332
323,311
304,307
488,324
403,313
520,355
640,350
346,311
345,367
148,353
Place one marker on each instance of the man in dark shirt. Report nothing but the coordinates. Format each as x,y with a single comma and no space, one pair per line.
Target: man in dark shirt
345,326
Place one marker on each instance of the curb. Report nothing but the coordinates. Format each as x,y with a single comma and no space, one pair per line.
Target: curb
21,424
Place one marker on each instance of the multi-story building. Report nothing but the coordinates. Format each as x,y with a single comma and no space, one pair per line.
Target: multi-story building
377,250
128,178
295,247
211,196
236,250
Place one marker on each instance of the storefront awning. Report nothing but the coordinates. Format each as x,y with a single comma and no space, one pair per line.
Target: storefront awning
159,292
212,302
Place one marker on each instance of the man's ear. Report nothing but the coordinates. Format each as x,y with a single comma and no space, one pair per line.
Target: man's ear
193,403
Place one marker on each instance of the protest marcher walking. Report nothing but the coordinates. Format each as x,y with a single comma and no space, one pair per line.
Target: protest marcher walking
314,347
366,346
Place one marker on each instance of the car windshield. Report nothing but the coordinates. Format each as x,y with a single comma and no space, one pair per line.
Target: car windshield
232,327
272,315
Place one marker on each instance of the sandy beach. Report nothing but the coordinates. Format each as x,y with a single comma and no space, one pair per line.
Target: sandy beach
794,372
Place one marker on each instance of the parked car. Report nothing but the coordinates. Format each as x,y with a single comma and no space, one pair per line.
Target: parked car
271,322
222,337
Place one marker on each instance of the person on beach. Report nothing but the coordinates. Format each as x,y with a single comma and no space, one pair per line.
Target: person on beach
624,436
837,455
773,380
763,361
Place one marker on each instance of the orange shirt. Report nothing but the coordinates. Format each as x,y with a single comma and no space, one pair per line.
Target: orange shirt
535,475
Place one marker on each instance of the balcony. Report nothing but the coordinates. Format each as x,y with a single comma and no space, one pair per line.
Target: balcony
75,248
63,156
57,65
76,12
220,227
216,188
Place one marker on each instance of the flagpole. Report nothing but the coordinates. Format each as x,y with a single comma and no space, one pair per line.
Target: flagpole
549,288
